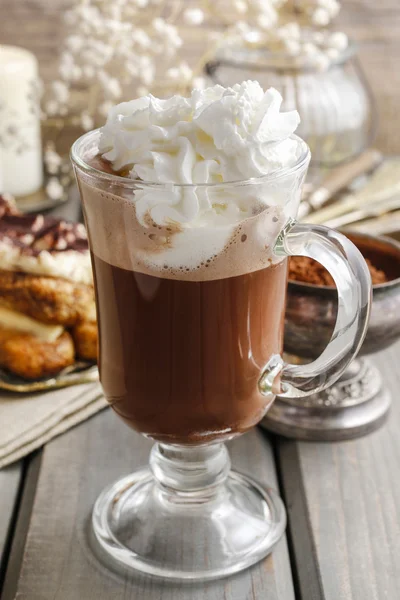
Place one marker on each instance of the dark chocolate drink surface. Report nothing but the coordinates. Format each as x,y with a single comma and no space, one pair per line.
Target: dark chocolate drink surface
180,360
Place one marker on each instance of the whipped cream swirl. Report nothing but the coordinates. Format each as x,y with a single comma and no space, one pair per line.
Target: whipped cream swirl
217,135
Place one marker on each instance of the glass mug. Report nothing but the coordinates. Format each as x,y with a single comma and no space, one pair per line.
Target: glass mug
190,355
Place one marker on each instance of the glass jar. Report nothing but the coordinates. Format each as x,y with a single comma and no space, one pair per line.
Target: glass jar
336,106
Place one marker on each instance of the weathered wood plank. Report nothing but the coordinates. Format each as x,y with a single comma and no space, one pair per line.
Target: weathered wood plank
11,477
31,470
10,481
344,508
56,560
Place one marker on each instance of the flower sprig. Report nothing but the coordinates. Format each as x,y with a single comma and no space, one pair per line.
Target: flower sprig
296,29
114,51
109,47
128,48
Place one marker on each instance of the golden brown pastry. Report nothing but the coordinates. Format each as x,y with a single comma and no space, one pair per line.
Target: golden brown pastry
48,299
85,338
46,287
32,358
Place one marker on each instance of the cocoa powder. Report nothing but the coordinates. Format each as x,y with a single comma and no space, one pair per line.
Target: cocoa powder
308,270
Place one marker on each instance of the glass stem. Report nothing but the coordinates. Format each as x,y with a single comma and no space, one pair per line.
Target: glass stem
190,471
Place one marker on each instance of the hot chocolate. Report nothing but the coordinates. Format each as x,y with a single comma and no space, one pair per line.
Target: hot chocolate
180,360
181,349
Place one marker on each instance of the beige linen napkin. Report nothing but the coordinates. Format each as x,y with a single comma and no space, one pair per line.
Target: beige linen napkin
27,421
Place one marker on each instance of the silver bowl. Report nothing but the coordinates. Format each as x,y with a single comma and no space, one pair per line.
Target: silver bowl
359,402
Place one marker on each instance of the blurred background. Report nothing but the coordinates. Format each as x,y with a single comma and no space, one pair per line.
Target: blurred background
38,26
336,63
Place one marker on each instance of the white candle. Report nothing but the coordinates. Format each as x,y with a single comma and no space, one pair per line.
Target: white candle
20,140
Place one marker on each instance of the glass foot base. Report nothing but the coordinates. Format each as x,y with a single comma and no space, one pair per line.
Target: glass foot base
357,404
140,525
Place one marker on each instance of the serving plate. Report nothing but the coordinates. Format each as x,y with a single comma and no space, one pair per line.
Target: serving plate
80,372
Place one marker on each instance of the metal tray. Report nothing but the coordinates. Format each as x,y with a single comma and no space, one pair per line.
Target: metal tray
80,372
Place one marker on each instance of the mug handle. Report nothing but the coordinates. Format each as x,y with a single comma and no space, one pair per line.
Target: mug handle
353,281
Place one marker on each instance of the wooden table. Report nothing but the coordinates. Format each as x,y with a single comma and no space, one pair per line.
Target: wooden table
343,500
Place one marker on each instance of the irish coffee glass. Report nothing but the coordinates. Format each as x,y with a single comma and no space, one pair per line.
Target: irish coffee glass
190,355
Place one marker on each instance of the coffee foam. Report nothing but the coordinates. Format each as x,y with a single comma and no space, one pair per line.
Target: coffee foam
173,252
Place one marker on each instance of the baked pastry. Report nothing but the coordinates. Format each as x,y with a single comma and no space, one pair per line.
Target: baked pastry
48,299
85,338
30,357
47,306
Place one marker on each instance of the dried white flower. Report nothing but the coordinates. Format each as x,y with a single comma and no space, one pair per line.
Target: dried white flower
87,122
173,73
293,47
113,88
51,108
182,73
321,17
60,91
321,62
319,38
147,70
141,38
199,83
309,49
338,40
242,27
332,53
193,16
52,160
240,6
265,21
105,108
253,37
142,91
290,30
126,48
54,189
